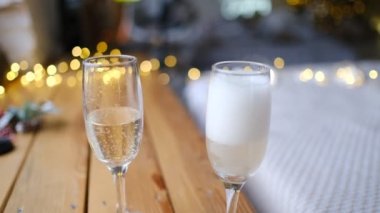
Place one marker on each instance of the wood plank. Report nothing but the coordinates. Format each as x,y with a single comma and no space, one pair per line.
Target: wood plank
181,153
54,175
146,191
11,163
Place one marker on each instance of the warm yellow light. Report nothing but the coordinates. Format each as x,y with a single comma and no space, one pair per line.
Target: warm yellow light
106,78
98,54
146,66
76,51
306,75
319,76
29,76
115,52
85,53
15,67
71,81
39,73
11,75
2,90
74,64
248,69
23,81
38,68
115,74
163,78
101,47
279,63
79,75
39,83
155,63
58,79
51,70
170,61
51,81
24,65
63,67
194,74
350,79
373,74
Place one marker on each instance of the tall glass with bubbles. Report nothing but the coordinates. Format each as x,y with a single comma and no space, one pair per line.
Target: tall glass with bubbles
237,122
113,114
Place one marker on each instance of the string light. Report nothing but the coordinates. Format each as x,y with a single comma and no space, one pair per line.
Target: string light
85,53
74,64
24,65
76,51
373,74
101,47
146,66
2,90
163,78
11,75
51,70
15,67
279,63
320,76
306,75
29,76
170,61
155,63
194,74
63,67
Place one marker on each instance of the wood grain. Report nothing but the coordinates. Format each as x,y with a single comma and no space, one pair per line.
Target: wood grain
12,163
146,191
53,178
181,153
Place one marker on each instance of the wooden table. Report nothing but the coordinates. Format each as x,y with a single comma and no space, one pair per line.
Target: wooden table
53,170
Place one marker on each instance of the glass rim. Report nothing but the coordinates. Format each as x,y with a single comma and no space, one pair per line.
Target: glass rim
266,68
91,61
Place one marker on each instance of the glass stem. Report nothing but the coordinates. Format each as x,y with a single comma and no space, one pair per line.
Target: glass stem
232,196
118,174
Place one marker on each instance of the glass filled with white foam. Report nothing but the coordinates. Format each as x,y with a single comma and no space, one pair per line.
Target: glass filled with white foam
113,114
237,122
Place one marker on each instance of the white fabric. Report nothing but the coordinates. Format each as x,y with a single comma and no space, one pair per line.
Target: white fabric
324,146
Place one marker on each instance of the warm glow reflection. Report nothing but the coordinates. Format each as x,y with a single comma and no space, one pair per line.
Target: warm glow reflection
155,63
373,74
170,61
29,76
115,52
320,76
146,66
163,78
2,90
194,74
101,47
63,67
306,75
279,63
85,53
248,69
11,75
106,78
15,67
51,70
76,51
24,65
74,64
71,81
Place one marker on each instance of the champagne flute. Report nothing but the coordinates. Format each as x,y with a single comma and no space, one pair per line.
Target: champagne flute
113,114
237,122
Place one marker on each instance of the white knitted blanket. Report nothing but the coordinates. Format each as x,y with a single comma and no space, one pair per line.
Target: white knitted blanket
324,147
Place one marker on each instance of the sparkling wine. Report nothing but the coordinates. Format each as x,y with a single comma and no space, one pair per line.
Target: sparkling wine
114,134
237,123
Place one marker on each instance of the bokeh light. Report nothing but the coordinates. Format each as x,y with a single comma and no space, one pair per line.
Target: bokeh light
155,63
101,47
2,90
74,64
146,66
24,65
373,74
85,53
115,52
15,67
306,75
11,75
319,76
76,51
194,74
279,63
51,70
170,61
63,67
163,78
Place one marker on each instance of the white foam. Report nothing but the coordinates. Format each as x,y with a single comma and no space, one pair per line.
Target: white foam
238,109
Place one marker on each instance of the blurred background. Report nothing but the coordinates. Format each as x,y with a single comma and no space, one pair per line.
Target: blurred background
193,33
